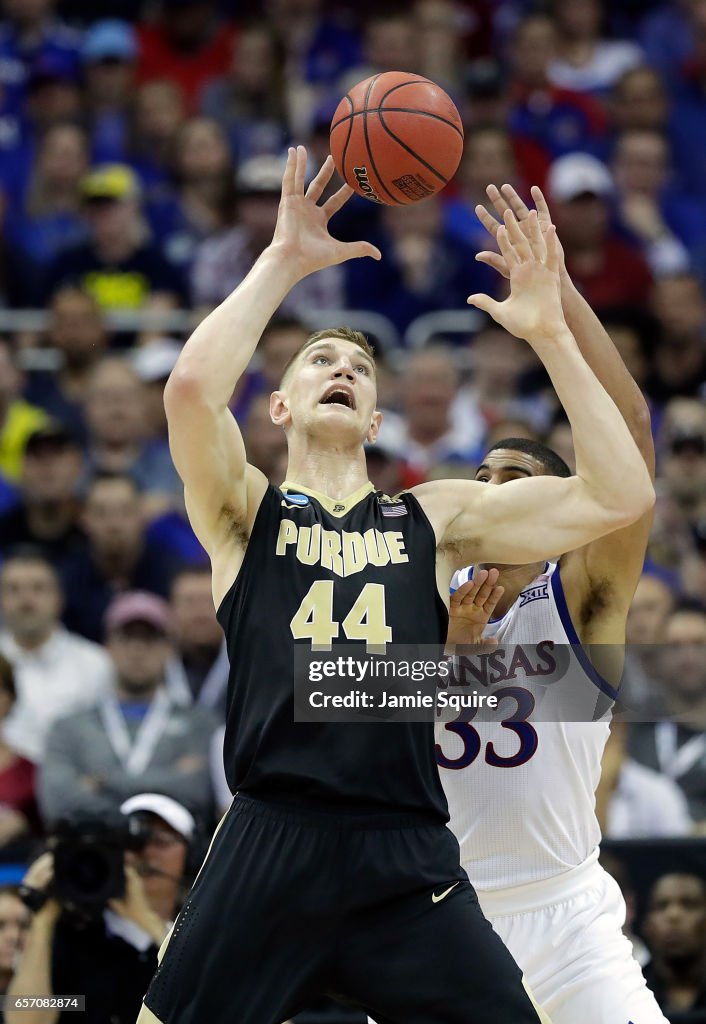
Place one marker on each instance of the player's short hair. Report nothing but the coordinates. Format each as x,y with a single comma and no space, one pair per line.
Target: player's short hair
553,463
342,333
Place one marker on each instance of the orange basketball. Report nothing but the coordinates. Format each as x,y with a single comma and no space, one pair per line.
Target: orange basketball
396,138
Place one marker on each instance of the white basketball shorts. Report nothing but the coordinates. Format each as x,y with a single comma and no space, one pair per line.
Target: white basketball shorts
566,935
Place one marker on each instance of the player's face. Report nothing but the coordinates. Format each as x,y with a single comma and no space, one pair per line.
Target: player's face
331,393
504,464
676,921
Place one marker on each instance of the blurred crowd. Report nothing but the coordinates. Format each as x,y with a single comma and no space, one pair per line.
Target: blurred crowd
141,153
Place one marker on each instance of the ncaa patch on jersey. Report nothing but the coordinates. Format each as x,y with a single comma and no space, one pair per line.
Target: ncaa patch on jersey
297,499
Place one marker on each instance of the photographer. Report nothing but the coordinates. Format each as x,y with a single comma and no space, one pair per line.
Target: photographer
108,952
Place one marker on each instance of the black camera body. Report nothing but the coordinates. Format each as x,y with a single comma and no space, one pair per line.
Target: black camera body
89,861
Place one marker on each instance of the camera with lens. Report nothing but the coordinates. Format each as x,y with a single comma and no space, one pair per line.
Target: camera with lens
89,861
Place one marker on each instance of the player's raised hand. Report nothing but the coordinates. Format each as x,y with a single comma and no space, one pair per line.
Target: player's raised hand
301,233
470,609
533,309
506,198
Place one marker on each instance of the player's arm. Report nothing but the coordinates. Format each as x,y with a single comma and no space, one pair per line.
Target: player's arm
527,520
618,556
205,441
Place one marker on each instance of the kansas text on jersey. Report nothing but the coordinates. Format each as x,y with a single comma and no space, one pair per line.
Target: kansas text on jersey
521,795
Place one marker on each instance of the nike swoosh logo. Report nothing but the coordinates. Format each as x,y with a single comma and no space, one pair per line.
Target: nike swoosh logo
444,894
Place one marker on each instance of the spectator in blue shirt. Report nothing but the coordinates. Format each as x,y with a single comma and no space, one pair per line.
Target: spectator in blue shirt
50,217
249,102
559,119
28,32
109,54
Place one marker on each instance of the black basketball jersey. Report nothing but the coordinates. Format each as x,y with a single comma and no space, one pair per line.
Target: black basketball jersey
308,551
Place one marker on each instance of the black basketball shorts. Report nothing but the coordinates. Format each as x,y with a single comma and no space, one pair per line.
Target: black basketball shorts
290,906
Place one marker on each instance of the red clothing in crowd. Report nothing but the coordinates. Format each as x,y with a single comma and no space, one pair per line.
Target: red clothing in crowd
622,278
190,70
17,790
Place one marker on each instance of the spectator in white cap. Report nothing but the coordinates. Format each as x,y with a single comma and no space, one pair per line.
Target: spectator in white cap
223,261
153,363
136,738
606,269
161,486
154,471
110,959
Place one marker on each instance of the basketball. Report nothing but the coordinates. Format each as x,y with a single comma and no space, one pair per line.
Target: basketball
396,138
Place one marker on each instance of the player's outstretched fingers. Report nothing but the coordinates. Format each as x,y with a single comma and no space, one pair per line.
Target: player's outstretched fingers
507,248
460,593
478,590
515,202
499,202
356,250
319,183
487,586
486,218
493,598
494,260
468,592
288,176
540,202
337,200
490,306
517,238
300,171
535,237
553,259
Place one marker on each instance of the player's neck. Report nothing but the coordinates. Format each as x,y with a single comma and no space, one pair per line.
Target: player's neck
333,473
514,578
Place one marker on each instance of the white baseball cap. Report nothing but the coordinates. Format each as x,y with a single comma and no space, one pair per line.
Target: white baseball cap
577,174
156,360
163,807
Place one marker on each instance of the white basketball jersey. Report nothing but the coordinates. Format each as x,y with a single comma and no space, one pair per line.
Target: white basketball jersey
522,795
